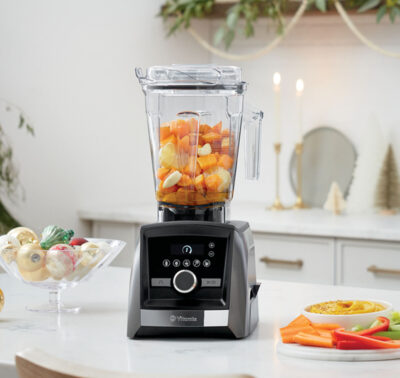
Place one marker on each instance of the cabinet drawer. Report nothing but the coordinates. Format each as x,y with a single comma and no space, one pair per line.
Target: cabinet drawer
294,258
369,264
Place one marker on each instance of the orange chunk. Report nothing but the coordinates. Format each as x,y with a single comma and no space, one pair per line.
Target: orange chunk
301,320
211,137
204,129
200,183
192,168
185,181
225,161
225,132
162,173
207,161
179,128
171,189
227,146
170,139
218,127
170,197
213,182
184,143
165,131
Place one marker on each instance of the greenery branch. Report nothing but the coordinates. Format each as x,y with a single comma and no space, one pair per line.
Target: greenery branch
178,14
9,174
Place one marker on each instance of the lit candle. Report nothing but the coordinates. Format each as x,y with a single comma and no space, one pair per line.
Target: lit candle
299,102
277,89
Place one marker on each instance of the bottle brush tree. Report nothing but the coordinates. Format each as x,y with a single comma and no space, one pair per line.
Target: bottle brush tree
387,193
335,201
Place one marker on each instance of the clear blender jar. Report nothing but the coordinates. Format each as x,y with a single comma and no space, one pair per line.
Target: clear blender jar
195,114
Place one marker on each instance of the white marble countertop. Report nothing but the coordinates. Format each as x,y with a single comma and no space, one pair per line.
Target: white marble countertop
97,336
312,222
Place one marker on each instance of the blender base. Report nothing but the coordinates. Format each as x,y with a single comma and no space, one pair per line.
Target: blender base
215,212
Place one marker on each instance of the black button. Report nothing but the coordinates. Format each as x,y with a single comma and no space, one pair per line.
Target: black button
196,263
211,245
186,263
211,253
210,282
206,263
176,263
166,263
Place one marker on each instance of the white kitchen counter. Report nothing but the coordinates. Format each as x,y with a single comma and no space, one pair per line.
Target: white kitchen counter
310,222
96,336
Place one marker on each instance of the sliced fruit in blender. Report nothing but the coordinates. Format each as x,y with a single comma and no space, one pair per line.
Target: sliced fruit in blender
223,174
204,150
211,137
180,128
207,161
169,139
213,182
165,131
172,179
217,128
168,156
185,180
162,173
225,161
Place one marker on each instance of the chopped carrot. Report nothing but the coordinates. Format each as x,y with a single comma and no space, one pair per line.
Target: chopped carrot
313,340
184,143
185,181
204,129
217,128
162,173
301,320
326,326
288,333
171,189
207,161
170,139
225,161
179,128
165,131
211,137
213,182
192,168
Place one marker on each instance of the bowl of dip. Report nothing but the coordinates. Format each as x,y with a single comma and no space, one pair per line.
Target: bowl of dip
348,312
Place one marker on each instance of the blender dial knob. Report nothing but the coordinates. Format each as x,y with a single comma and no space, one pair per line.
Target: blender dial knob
184,281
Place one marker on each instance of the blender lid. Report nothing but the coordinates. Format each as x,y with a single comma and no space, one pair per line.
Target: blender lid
192,77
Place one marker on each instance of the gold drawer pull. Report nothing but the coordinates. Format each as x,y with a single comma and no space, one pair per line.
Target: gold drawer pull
295,263
375,269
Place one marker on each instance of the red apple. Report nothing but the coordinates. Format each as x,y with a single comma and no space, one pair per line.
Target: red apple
77,241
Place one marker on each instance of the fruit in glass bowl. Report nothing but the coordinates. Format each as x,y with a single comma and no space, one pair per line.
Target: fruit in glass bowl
63,263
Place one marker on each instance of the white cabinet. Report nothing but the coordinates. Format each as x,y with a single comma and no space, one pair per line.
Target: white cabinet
305,246
294,258
368,264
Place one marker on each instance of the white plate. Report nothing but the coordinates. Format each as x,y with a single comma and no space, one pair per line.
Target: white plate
331,354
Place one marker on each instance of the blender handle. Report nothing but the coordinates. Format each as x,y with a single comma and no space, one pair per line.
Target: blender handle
252,137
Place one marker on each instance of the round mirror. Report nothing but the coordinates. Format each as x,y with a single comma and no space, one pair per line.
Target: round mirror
328,155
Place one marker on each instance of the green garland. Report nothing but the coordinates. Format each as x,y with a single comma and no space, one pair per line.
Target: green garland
179,13
9,182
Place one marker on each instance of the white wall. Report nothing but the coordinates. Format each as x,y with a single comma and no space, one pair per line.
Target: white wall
70,66
346,84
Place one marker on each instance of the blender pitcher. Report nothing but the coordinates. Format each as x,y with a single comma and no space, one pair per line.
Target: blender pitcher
195,114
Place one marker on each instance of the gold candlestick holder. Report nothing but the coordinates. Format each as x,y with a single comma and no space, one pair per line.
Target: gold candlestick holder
299,204
277,205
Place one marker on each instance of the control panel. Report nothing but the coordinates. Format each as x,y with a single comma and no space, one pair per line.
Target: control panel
186,267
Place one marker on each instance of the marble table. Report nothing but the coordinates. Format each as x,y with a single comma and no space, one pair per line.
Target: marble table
96,336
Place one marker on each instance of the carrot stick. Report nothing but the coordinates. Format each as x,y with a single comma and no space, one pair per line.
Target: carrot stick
288,333
313,340
326,326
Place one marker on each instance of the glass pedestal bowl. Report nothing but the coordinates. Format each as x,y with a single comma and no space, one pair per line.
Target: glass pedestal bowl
60,268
